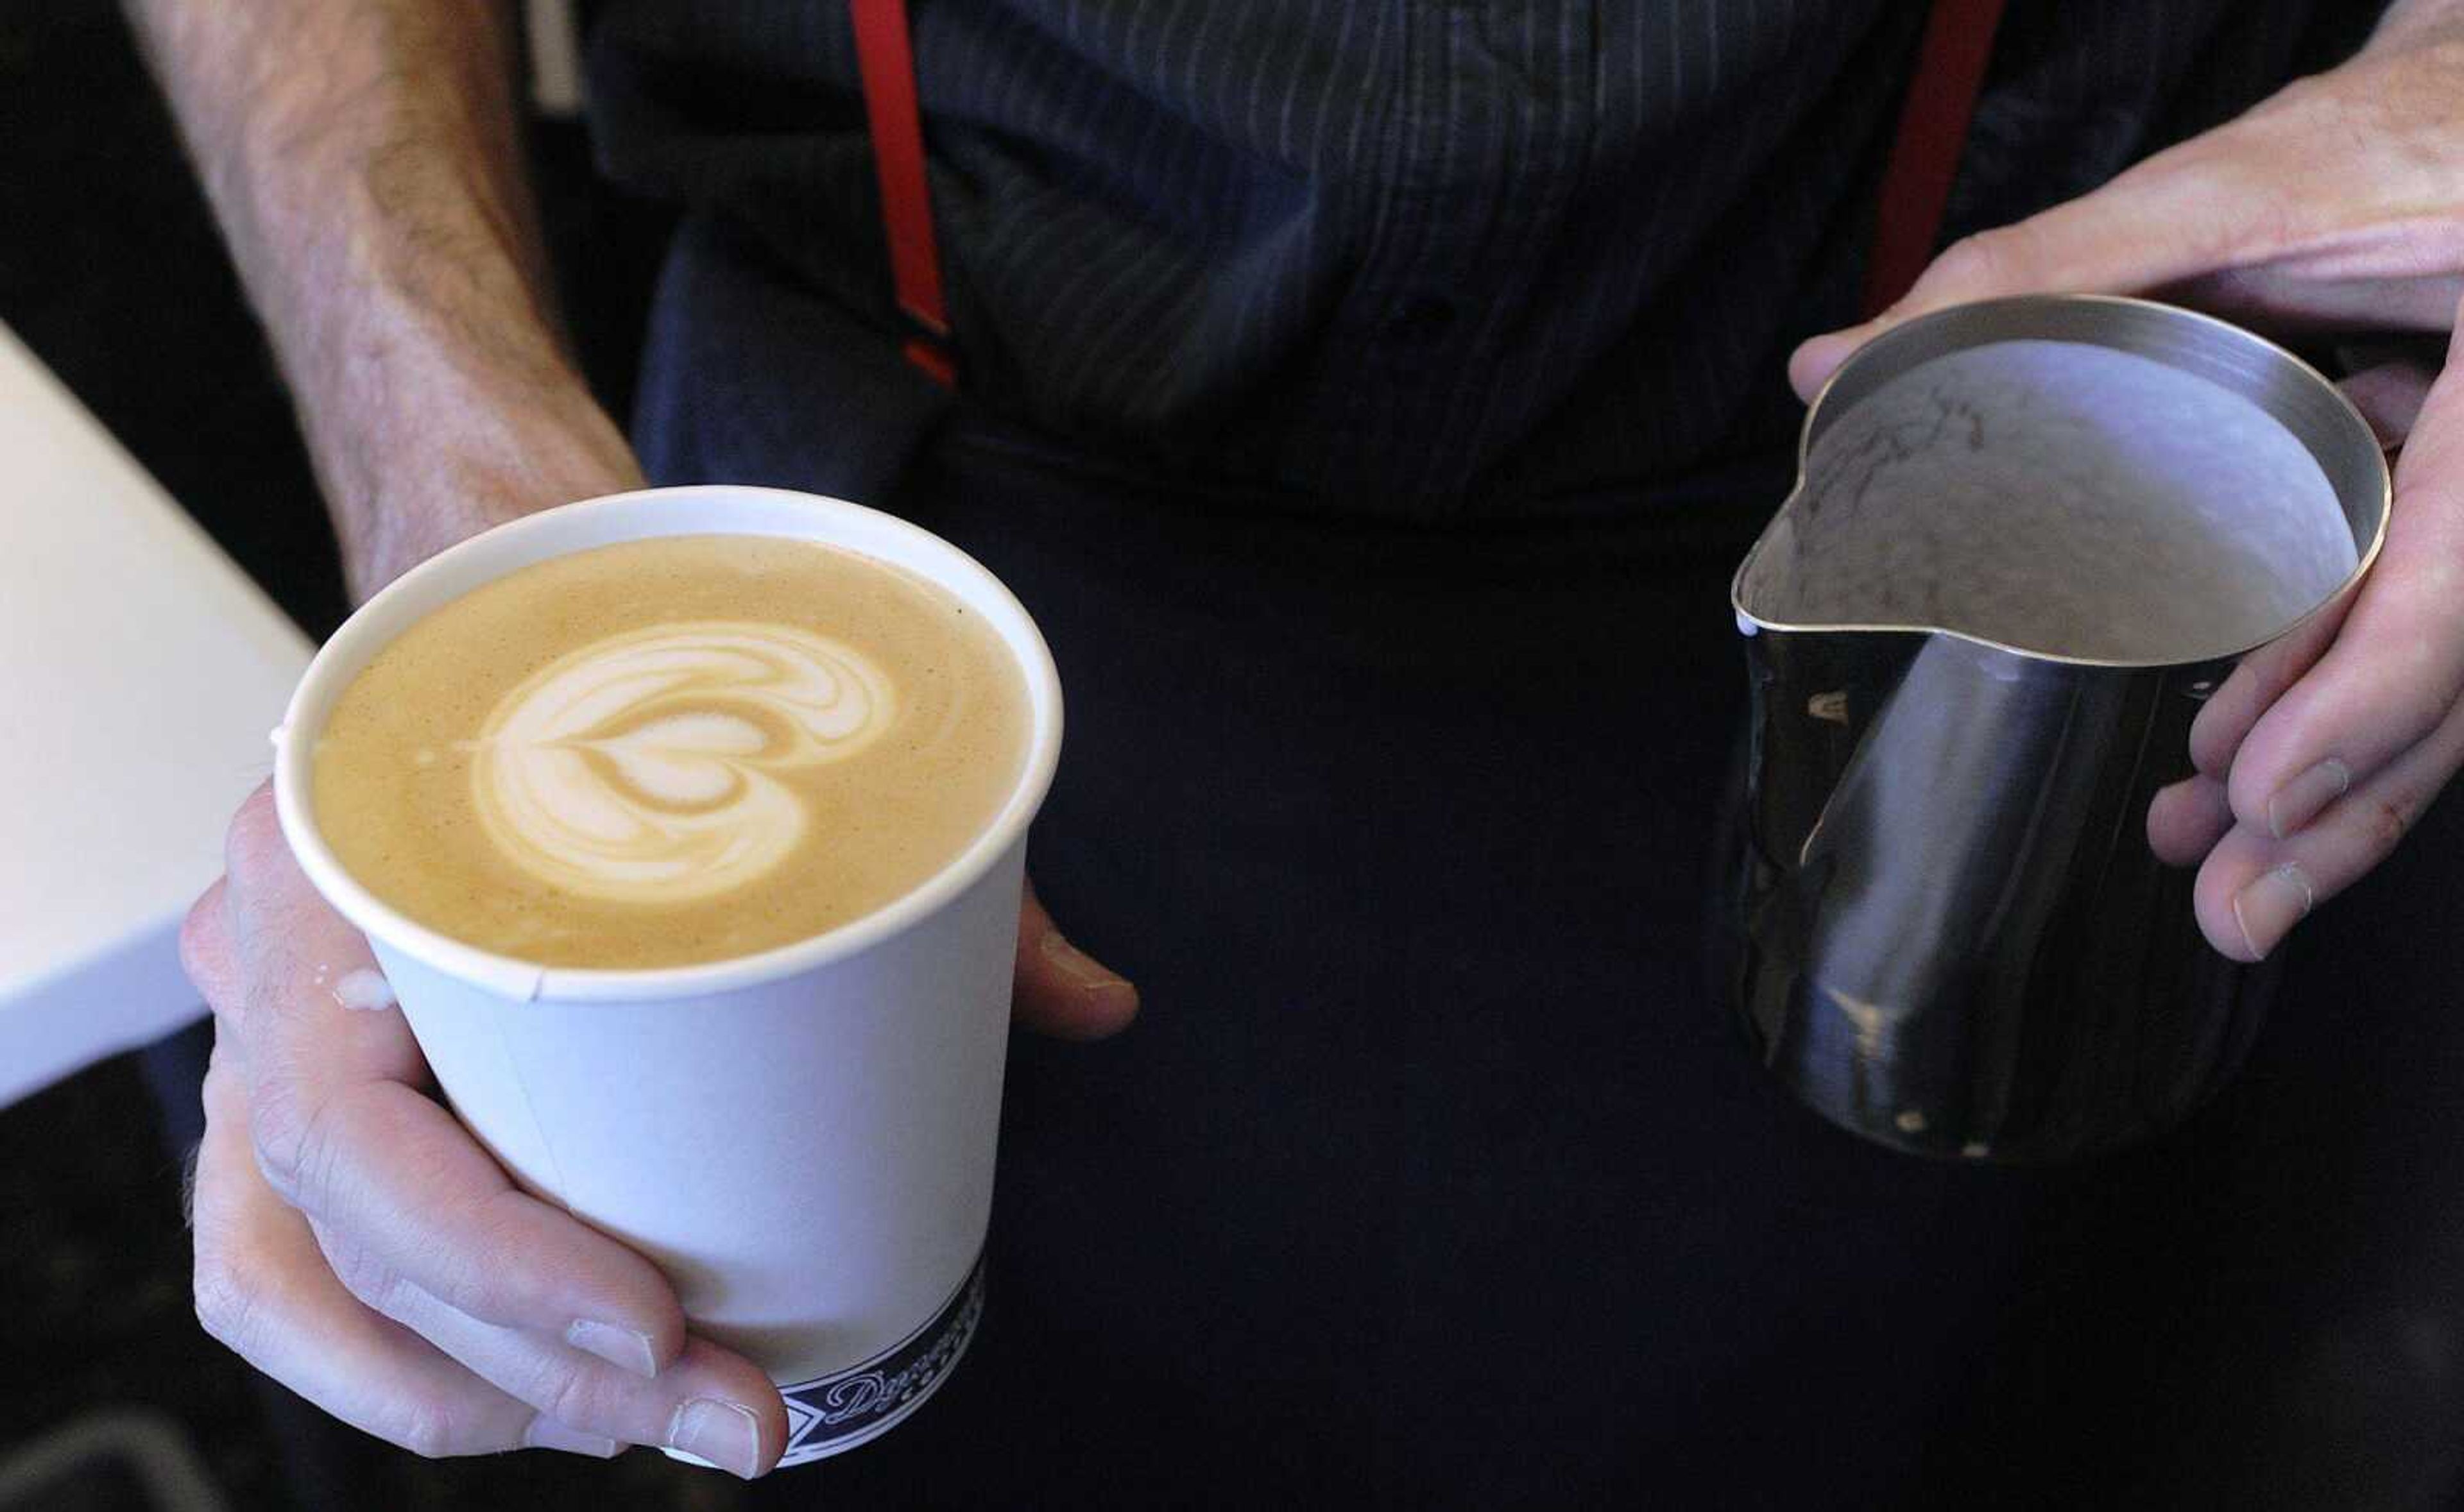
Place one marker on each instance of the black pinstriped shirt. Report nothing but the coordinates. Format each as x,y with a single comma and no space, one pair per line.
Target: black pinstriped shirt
1424,257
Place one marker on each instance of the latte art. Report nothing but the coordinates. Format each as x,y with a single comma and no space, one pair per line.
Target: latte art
644,767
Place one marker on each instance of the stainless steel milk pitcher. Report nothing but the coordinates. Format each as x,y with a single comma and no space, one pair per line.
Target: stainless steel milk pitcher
2021,551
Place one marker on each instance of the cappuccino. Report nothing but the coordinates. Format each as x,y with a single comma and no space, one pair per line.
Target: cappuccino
671,750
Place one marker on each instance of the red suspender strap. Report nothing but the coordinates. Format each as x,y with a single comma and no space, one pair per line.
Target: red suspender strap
885,58
1951,60
1924,155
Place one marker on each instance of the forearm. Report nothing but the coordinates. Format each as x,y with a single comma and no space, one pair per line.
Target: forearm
363,158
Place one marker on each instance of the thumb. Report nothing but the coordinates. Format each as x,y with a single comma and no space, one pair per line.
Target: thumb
1061,990
2184,212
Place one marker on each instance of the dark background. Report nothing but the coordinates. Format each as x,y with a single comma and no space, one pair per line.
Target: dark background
2262,1310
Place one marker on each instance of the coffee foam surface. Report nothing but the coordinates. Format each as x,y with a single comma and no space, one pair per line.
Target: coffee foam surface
671,750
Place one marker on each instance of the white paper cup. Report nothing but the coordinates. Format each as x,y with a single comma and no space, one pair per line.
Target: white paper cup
801,1139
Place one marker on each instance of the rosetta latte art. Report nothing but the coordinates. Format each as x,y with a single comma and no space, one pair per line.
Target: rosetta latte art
643,768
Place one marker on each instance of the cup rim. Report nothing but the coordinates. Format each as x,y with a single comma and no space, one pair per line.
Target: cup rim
507,548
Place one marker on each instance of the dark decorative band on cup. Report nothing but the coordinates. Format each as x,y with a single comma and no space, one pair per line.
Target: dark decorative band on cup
834,1413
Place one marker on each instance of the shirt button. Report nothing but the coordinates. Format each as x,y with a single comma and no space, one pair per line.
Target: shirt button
1424,317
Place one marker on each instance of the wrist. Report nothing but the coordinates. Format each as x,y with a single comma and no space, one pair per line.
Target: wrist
444,458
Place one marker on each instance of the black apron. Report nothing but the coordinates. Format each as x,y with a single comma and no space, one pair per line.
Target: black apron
1432,1172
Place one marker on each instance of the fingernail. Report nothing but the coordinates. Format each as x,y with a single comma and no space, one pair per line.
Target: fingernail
546,1433
1082,970
719,1435
2272,904
619,1346
2298,802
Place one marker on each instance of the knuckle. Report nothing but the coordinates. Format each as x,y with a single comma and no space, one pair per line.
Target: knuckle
200,931
2385,823
359,1272
255,834
295,1148
2298,99
428,1427
227,1305
1980,262
276,1143
568,1395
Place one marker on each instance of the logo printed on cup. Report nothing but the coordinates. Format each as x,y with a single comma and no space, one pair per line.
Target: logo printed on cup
834,1413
